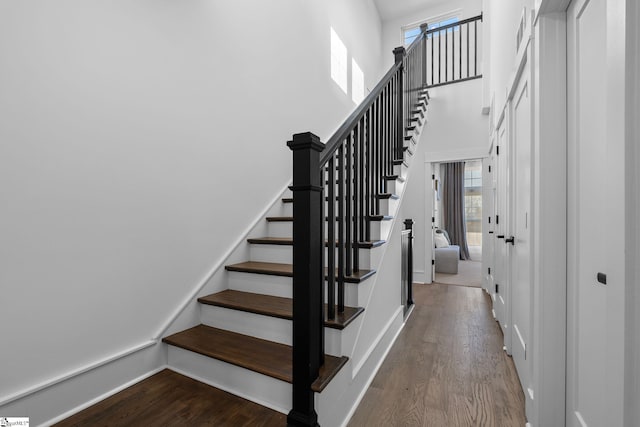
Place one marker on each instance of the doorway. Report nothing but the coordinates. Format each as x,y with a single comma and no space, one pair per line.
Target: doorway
464,208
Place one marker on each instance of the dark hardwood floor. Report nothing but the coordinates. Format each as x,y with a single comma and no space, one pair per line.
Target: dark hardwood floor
447,367
170,399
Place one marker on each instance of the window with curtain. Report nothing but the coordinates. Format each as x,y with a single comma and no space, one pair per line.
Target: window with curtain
473,201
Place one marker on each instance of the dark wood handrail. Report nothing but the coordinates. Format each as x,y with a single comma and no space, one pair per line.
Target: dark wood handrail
454,24
332,144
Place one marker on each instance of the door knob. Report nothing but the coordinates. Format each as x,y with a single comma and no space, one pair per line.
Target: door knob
510,240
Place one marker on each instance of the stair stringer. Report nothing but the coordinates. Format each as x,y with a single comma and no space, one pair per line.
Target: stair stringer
377,327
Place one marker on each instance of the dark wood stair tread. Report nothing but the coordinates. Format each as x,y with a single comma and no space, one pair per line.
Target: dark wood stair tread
279,219
394,177
288,241
388,196
381,217
266,357
268,305
278,269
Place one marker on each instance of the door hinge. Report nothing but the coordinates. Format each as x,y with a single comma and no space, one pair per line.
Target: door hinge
489,270
433,262
433,219
497,150
497,219
433,176
497,288
489,168
489,220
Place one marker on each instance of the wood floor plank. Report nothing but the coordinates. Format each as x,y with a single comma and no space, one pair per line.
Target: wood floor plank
168,398
447,367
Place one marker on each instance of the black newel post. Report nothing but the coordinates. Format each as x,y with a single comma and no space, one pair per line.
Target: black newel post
408,225
307,276
399,53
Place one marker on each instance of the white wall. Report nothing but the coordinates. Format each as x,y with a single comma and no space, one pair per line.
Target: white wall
126,129
445,137
503,25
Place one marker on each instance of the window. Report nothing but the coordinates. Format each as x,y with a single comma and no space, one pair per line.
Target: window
410,35
473,201
338,61
411,32
357,82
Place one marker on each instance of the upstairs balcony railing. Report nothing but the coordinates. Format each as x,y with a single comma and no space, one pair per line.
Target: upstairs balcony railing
453,52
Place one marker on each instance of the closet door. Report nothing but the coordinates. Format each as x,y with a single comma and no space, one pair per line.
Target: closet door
518,239
595,237
502,302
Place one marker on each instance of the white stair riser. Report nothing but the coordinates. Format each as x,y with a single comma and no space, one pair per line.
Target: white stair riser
284,254
271,253
278,286
284,229
380,230
336,211
287,209
256,387
400,170
281,229
390,206
265,327
395,186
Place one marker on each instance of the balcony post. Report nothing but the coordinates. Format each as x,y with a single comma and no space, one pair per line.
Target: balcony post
308,337
423,30
408,225
399,54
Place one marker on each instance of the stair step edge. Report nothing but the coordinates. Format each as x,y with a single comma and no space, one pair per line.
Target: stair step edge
267,305
275,360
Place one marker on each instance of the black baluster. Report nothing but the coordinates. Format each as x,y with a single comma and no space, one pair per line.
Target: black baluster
331,238
341,205
349,200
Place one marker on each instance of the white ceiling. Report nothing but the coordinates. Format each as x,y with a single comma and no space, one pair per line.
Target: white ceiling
391,9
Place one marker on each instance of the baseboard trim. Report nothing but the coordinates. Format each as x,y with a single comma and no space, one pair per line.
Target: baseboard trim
103,397
375,370
379,338
89,367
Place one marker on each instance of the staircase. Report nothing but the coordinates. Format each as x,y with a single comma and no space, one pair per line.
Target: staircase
244,342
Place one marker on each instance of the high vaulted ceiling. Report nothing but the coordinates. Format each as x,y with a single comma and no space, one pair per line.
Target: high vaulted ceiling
391,9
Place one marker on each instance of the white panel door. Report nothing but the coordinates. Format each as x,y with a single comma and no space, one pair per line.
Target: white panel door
520,226
488,239
594,381
502,274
